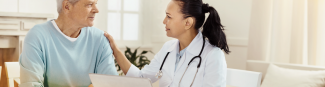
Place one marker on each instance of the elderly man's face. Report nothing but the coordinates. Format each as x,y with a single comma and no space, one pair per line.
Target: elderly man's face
83,12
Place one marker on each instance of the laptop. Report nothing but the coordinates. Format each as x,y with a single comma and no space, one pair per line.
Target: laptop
99,80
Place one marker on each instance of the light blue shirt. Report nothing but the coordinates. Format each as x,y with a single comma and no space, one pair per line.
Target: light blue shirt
179,56
49,59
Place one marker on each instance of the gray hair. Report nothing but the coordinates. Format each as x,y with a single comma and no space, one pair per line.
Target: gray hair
59,4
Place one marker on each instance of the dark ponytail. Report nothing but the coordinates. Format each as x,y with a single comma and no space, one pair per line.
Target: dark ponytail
212,29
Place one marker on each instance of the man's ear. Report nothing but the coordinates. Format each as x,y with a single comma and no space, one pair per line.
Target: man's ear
189,23
66,6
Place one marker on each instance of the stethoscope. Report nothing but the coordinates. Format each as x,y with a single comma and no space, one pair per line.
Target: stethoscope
160,73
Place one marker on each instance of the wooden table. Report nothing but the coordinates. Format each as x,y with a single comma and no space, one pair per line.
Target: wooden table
16,82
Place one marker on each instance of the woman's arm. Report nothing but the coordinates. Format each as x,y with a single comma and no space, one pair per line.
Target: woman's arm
148,71
124,63
215,69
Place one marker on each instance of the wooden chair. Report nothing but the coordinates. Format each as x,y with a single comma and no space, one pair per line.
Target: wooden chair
13,72
0,72
17,82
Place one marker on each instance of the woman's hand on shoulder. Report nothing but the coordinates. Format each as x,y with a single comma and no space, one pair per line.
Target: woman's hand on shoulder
111,41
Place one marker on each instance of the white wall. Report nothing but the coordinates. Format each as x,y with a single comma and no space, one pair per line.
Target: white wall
8,5
235,16
29,6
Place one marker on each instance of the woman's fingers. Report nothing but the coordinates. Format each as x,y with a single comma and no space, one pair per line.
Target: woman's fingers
111,40
124,63
109,37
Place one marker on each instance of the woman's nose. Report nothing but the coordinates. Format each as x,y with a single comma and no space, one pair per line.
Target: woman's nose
164,21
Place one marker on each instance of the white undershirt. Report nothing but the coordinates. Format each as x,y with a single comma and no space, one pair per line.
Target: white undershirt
57,28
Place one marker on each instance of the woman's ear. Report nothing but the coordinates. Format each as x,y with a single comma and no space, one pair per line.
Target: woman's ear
189,23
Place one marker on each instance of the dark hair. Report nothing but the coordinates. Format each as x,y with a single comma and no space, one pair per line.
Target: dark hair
212,29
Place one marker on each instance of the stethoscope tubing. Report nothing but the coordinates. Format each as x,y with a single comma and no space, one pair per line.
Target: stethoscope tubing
198,66
199,56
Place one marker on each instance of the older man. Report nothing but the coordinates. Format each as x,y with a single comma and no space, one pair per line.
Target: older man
62,52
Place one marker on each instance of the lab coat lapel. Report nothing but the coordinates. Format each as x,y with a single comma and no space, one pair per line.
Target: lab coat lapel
192,50
169,65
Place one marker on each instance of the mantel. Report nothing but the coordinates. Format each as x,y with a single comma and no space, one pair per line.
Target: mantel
18,24
26,15
14,27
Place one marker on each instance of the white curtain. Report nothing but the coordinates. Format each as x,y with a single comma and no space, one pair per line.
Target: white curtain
288,31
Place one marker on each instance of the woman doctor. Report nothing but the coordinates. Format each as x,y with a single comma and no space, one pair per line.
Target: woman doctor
195,58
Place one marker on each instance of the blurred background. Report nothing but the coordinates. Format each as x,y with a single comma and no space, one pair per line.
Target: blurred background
276,31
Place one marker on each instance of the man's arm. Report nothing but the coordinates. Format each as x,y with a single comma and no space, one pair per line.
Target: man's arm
31,61
105,64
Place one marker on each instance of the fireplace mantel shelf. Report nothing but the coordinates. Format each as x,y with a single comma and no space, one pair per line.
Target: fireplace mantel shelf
25,15
14,27
10,33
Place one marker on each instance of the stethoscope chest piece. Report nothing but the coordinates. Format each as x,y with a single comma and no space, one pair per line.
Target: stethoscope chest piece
159,74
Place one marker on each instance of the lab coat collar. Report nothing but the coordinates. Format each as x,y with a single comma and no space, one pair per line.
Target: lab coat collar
195,46
193,49
173,46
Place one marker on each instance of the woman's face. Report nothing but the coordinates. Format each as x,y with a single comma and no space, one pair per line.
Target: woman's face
174,20
83,12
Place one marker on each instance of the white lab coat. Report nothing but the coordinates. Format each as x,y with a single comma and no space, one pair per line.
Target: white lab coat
212,73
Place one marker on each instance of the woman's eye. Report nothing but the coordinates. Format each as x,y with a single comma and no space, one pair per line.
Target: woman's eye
167,16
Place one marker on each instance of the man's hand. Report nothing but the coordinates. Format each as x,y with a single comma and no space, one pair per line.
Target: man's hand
91,85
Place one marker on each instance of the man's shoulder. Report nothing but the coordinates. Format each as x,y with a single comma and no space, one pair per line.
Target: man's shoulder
38,31
96,34
43,27
94,30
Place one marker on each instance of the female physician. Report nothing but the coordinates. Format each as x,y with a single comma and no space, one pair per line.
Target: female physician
195,58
